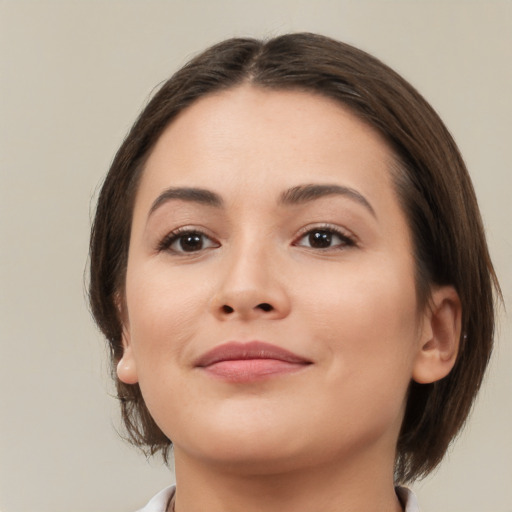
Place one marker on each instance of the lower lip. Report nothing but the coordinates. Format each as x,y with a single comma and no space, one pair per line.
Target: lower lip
247,370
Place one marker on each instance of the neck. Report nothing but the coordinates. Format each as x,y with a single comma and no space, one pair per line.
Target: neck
362,485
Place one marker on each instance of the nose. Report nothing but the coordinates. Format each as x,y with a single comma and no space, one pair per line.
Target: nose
251,286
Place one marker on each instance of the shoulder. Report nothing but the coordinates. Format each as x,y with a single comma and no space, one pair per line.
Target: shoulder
160,501
408,499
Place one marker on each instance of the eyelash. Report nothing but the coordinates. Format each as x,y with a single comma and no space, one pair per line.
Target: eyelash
181,233
346,240
174,236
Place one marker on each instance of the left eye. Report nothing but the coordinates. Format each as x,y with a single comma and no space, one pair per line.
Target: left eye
324,239
187,242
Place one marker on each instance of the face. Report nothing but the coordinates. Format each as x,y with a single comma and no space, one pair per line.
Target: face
270,310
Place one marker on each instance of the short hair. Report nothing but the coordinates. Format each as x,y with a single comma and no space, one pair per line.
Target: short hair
432,184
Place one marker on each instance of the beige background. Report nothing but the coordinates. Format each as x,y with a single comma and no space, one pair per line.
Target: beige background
73,76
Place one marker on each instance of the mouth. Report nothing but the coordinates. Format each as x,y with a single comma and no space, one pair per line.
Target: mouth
252,361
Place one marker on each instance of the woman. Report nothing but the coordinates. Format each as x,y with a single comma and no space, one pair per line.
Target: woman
289,264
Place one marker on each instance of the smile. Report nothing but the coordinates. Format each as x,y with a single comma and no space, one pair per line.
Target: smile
253,361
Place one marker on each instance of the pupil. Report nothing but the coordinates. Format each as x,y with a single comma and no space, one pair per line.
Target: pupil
320,239
191,242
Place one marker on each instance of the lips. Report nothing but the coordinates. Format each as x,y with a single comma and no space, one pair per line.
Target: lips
244,362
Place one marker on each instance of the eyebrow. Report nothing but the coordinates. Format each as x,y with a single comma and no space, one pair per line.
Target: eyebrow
190,194
305,193
293,196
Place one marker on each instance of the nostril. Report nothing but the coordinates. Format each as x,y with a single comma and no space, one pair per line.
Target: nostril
265,306
227,309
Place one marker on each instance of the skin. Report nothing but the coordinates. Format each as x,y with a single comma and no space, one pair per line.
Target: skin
322,437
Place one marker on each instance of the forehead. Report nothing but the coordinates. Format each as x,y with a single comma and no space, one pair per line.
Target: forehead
250,137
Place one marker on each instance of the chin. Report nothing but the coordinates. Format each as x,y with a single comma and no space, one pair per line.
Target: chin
246,449
258,460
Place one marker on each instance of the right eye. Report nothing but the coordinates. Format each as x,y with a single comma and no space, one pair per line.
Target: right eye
325,238
186,241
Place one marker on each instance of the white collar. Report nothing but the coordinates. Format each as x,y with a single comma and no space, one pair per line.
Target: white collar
159,502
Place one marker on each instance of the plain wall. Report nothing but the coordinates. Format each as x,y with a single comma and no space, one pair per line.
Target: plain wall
73,76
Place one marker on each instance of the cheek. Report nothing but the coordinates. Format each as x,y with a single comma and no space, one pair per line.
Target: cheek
368,319
165,309
369,327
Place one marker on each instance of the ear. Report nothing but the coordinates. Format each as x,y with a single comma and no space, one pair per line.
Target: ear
126,367
440,336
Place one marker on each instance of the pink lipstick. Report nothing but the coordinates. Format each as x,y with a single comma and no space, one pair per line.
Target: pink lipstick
252,361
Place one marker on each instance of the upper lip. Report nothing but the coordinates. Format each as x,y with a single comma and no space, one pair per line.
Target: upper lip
234,351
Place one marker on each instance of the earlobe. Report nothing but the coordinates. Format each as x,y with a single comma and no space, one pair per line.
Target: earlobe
126,367
439,343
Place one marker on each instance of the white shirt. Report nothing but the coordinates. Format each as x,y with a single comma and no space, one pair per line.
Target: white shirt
159,502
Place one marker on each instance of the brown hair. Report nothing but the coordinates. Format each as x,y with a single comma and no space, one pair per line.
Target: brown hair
431,179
